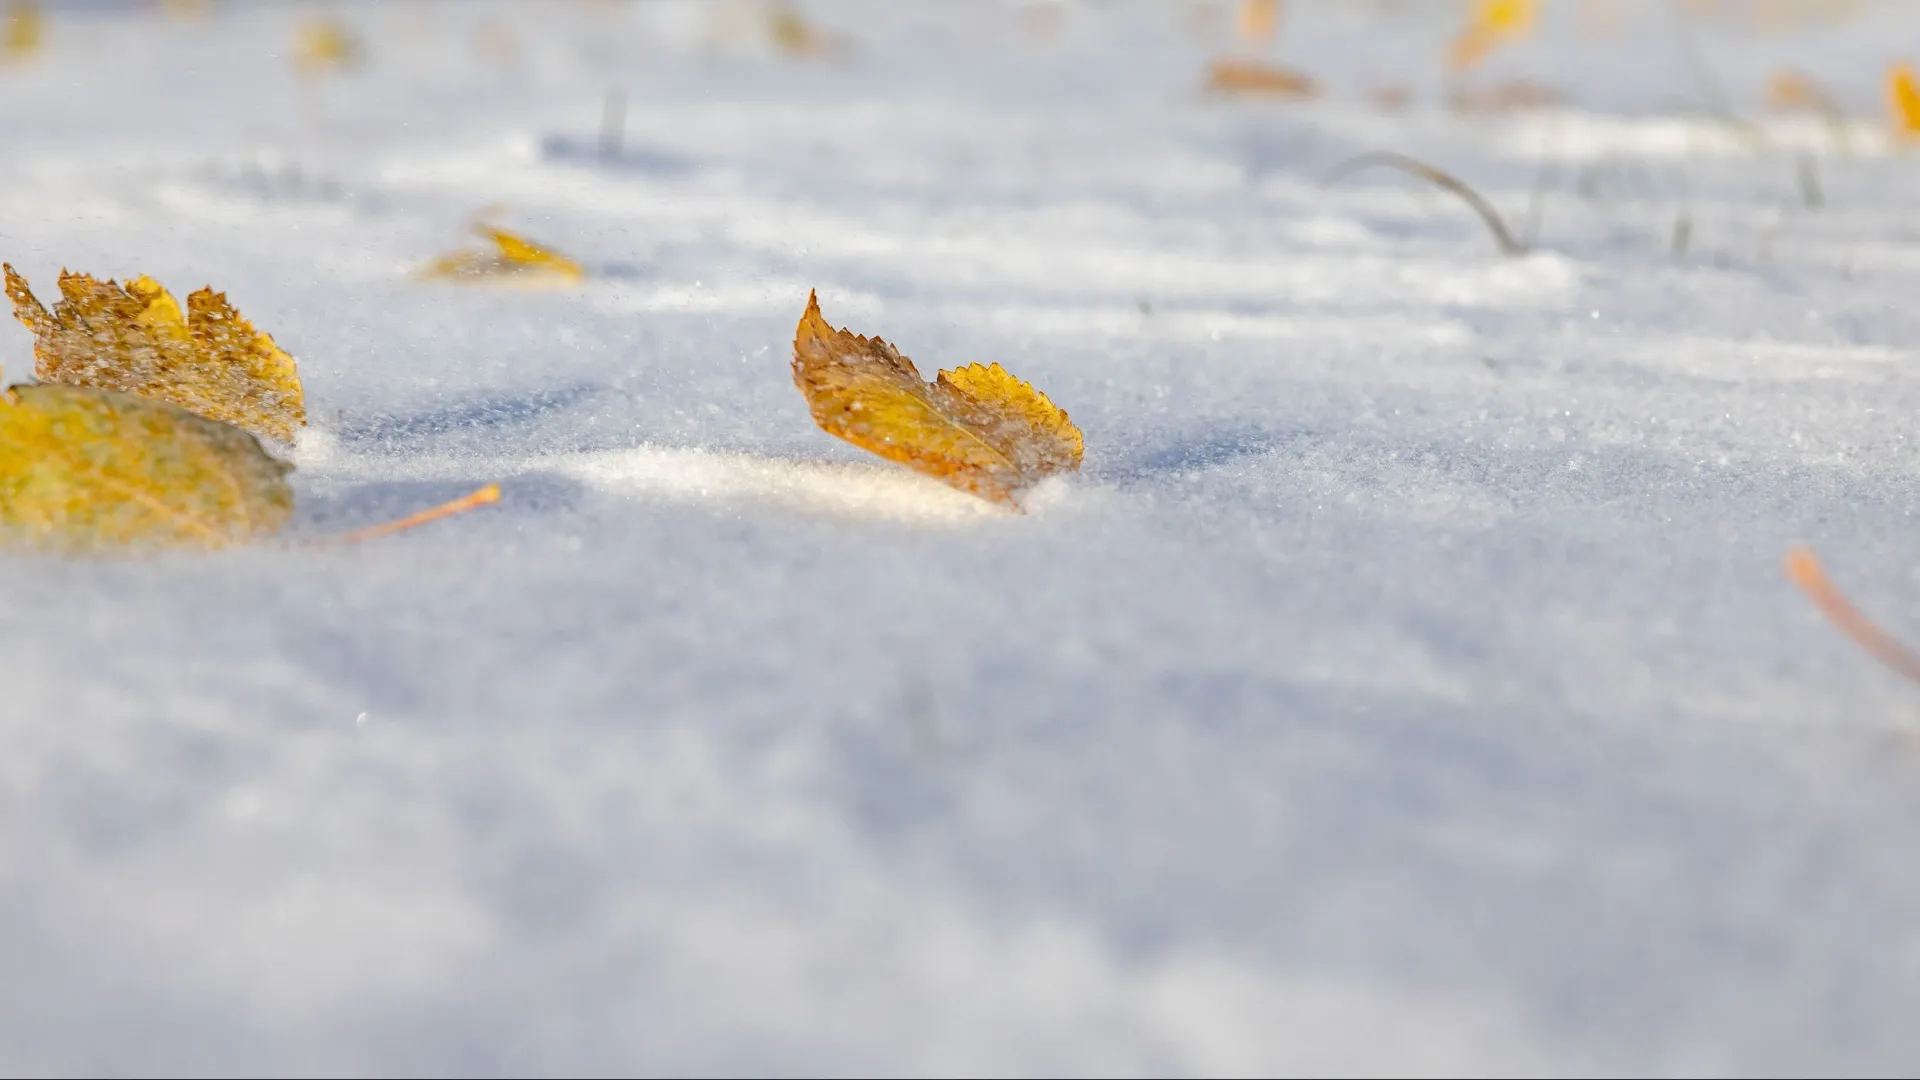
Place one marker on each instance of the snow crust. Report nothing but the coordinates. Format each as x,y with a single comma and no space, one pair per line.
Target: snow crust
1408,682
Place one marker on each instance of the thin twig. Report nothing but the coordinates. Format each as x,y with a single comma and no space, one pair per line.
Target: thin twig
482,497
1804,570
1444,180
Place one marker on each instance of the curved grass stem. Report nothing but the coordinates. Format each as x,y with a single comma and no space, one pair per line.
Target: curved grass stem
1804,569
1439,178
481,497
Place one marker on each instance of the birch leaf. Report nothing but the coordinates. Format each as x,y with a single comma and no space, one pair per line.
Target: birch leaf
206,359
84,469
977,428
512,258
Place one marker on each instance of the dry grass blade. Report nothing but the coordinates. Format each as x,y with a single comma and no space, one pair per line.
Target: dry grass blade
1804,569
1440,179
485,496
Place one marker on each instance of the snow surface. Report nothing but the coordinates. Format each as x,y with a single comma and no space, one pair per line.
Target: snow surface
1407,683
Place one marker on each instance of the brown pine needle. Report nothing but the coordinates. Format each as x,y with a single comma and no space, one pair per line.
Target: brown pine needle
1804,570
482,497
1440,179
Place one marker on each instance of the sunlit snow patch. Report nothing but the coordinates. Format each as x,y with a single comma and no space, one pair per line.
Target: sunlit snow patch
847,489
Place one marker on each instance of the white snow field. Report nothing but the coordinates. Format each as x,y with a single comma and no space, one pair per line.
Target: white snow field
1408,681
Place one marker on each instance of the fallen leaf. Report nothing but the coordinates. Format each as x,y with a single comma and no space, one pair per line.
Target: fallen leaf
512,257
207,359
976,428
1903,101
1492,24
85,469
793,35
325,45
1253,78
24,31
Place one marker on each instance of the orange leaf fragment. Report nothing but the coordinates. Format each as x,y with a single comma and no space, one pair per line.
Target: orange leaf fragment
1259,20
1253,78
135,338
1803,569
977,428
1903,101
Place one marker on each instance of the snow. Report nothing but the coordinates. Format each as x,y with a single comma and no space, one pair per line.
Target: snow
1408,682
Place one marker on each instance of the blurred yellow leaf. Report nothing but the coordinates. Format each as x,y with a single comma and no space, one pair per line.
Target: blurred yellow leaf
24,30
793,35
1259,20
84,469
977,428
207,359
1903,101
512,258
1491,24
325,45
1252,78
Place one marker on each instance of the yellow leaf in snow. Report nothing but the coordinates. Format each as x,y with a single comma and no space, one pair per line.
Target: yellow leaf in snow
976,428
512,257
1903,101
24,30
324,45
207,359
1492,23
83,469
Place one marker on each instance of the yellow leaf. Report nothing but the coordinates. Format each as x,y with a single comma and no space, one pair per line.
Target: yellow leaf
24,29
512,257
1252,78
207,359
1512,17
1492,23
83,469
976,428
324,45
795,36
1903,100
